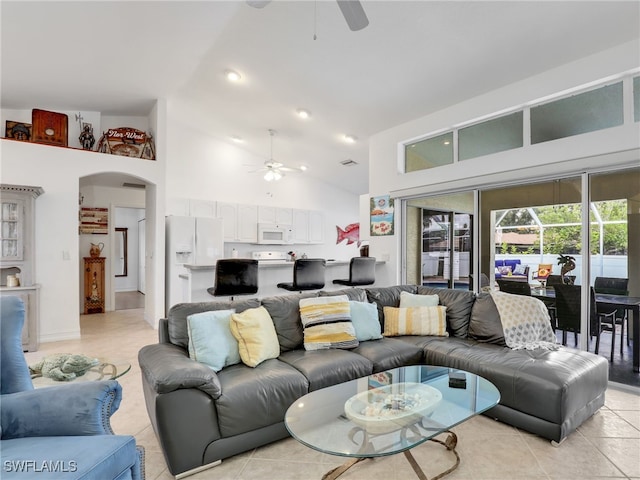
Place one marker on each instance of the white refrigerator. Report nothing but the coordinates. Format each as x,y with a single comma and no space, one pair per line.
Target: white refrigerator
193,245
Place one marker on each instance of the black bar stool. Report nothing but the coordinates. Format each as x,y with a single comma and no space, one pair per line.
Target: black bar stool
308,274
362,271
235,276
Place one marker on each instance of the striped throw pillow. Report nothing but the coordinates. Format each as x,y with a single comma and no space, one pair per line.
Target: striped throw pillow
327,323
415,321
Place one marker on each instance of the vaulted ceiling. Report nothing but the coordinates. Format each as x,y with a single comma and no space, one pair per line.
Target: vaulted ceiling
413,59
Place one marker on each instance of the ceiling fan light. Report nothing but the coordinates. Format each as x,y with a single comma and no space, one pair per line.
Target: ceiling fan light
304,114
232,75
277,175
303,168
269,176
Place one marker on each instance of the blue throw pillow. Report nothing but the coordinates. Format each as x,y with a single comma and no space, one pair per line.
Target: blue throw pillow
364,317
210,339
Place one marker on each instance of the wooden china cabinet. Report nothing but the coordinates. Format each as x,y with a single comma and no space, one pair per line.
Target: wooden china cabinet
17,255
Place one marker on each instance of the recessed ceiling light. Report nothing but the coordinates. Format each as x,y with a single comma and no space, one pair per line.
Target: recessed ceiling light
232,75
447,142
350,138
302,113
236,139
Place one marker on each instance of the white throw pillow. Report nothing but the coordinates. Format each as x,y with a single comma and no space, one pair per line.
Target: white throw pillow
412,300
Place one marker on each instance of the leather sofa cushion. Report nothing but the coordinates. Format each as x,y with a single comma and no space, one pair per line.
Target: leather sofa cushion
355,294
485,325
285,313
387,297
388,353
459,304
324,368
257,397
551,385
177,316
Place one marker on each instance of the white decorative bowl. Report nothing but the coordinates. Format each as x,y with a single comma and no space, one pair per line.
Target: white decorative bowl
392,407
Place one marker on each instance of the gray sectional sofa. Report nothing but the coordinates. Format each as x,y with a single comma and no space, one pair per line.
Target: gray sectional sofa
202,417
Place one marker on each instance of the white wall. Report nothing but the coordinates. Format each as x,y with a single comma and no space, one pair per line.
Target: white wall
198,166
57,256
204,167
552,158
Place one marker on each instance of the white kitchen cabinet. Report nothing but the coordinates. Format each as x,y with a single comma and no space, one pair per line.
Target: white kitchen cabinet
300,226
178,206
228,212
308,226
247,223
266,214
316,226
240,222
275,215
202,208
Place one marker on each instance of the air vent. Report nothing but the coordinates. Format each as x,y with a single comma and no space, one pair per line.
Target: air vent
133,185
348,162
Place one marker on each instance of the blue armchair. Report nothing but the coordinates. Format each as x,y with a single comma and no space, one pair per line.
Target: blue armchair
57,432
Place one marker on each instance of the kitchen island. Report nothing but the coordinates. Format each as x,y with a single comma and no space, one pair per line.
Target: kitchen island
271,272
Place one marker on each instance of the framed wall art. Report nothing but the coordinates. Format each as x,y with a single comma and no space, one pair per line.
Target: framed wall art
94,220
18,131
381,212
127,142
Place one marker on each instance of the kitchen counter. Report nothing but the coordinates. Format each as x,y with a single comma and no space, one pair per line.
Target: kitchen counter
286,263
270,272
272,264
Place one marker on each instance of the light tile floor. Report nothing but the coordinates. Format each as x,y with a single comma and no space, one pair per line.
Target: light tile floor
607,446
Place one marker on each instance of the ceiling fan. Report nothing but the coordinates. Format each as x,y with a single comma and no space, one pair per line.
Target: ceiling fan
273,169
352,12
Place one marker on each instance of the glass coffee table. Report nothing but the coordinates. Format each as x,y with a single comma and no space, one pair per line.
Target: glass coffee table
389,413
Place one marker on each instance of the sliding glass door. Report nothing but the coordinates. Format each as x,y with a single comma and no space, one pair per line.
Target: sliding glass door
530,225
439,248
587,223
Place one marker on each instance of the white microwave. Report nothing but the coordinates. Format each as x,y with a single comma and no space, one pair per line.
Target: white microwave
273,234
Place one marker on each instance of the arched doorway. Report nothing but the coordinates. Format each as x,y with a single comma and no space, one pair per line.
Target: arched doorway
114,193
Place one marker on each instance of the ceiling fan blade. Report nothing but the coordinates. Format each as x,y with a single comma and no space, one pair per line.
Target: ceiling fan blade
258,3
354,14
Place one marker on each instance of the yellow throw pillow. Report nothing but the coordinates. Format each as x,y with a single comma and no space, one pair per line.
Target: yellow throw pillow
415,321
256,336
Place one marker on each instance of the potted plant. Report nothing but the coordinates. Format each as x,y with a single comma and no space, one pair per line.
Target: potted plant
568,263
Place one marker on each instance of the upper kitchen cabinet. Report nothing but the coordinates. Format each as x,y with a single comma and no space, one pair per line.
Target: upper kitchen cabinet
308,226
300,226
316,226
275,215
202,208
240,222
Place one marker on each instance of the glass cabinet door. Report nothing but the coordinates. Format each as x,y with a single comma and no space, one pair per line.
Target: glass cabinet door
11,230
